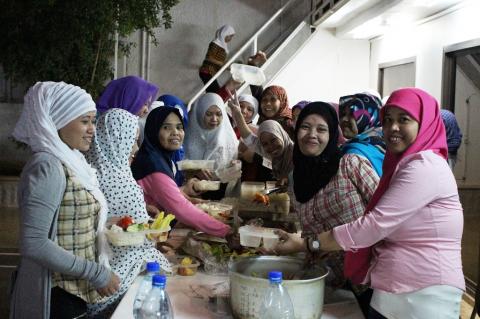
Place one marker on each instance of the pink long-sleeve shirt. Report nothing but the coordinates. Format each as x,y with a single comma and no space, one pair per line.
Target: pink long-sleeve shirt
418,222
161,191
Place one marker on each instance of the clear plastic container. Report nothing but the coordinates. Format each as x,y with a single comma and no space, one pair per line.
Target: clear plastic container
125,238
247,73
249,237
269,239
187,270
248,189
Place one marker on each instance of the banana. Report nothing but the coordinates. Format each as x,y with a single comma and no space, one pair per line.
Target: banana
158,221
166,221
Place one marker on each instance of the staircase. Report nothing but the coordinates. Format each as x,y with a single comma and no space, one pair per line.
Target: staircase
279,52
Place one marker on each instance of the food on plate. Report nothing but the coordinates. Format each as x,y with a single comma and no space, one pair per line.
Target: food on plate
261,199
205,185
125,221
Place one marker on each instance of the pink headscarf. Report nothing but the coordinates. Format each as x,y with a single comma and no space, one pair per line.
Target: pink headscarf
431,136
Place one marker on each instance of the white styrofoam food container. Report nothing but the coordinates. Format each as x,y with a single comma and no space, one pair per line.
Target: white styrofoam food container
186,165
253,236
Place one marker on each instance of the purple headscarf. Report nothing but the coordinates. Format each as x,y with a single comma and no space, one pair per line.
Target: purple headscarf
129,93
300,105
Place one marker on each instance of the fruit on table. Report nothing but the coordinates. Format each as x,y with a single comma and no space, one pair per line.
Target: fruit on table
185,268
125,221
186,261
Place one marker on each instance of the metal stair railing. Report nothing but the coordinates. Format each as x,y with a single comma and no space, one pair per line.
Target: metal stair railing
253,40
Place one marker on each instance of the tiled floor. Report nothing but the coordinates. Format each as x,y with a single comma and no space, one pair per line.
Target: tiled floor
466,309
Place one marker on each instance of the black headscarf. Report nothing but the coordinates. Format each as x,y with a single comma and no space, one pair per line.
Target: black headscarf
151,156
311,173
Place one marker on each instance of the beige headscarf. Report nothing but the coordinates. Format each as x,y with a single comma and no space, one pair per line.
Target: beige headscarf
283,164
49,106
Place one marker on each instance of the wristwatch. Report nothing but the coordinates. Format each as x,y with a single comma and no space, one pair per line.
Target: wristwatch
313,244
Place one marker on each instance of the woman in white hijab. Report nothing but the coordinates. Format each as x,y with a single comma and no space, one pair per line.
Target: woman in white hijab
64,260
115,137
210,135
216,56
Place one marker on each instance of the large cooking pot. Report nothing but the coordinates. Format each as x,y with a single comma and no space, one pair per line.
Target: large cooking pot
248,284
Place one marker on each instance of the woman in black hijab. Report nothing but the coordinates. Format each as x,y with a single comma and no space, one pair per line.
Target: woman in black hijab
330,189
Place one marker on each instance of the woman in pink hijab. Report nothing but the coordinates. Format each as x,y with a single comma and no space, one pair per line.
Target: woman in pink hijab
407,245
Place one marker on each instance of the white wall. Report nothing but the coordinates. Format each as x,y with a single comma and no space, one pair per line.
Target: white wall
326,68
426,42
174,63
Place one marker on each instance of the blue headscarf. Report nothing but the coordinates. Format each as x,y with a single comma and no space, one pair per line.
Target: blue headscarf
152,157
454,134
369,142
176,102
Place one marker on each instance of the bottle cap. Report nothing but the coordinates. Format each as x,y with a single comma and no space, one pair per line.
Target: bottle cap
153,266
159,280
275,276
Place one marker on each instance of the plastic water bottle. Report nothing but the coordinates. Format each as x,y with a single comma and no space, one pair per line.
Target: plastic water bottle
145,286
157,304
276,303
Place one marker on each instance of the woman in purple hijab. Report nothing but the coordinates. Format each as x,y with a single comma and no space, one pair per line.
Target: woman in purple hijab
129,93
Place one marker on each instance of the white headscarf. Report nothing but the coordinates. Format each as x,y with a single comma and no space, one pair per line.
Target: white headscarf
252,101
221,34
49,106
219,144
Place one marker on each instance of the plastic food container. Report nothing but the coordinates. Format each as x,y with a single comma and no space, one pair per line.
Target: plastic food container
248,189
204,185
187,269
187,165
253,236
247,73
124,238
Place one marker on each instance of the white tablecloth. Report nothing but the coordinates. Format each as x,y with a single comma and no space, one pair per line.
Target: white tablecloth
185,307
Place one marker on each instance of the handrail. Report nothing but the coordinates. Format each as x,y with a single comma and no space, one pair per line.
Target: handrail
239,52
